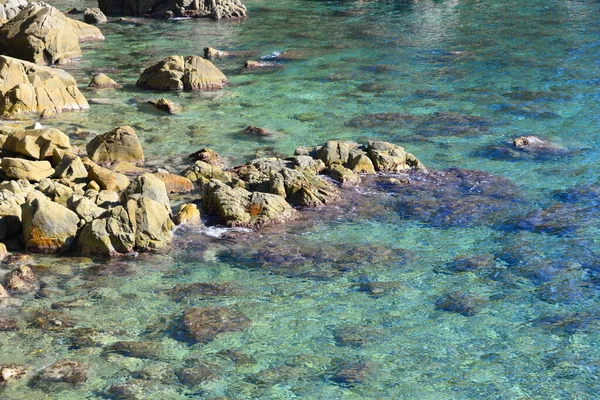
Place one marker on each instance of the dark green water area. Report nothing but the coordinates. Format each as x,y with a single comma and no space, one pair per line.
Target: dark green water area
478,281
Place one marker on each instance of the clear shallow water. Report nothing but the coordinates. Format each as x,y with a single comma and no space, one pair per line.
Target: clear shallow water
469,75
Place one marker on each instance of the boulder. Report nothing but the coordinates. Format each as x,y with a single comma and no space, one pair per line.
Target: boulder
149,186
105,178
94,16
175,73
38,144
151,222
120,144
188,214
388,157
239,207
11,8
204,324
27,87
175,183
41,34
111,234
85,208
71,168
207,155
215,9
165,105
85,32
18,168
55,191
48,227
66,371
102,81
202,172
344,175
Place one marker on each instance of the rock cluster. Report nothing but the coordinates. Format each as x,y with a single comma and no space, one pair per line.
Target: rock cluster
53,201
41,34
215,9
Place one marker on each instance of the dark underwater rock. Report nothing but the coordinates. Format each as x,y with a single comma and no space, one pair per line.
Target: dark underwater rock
570,323
237,357
356,335
205,323
136,349
471,263
459,302
352,373
200,290
64,371
197,374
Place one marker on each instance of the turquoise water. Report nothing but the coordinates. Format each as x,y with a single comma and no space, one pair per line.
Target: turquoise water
363,282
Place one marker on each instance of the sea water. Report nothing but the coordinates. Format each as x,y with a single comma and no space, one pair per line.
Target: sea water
363,285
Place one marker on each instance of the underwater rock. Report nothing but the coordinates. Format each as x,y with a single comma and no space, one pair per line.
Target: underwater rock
12,372
94,16
9,324
165,105
391,120
84,337
48,227
378,289
256,131
237,357
48,320
141,349
199,373
459,302
204,324
201,290
27,87
561,218
449,123
177,73
65,371
356,335
351,373
102,81
570,323
21,279
472,263
120,144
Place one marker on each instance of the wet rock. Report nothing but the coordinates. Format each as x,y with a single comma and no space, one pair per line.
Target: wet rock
206,155
65,371
200,290
165,105
256,131
12,372
238,207
142,349
353,373
175,183
204,324
102,81
459,302
216,9
48,227
35,171
175,73
21,279
188,214
52,320
120,144
472,263
27,87
258,66
237,357
41,34
343,175
8,324
94,16
198,374
356,335
38,144
105,178
378,289
212,53
391,158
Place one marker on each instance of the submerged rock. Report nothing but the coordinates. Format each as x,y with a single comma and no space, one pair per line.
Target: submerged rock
12,372
165,105
204,324
352,373
177,73
459,302
142,349
21,279
64,371
201,372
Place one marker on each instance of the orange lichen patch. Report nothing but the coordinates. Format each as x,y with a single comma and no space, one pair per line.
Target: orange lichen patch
39,241
255,209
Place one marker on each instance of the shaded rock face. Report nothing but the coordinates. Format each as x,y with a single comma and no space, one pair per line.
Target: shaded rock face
215,9
177,73
204,324
94,16
27,87
120,144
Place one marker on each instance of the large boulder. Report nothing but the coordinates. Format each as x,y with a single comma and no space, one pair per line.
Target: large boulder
27,87
215,9
120,144
239,207
177,73
151,222
48,227
111,234
388,157
18,168
38,144
150,186
41,34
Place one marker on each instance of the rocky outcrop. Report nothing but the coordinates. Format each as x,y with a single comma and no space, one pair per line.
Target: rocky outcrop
215,9
42,34
27,87
177,73
38,144
120,144
165,105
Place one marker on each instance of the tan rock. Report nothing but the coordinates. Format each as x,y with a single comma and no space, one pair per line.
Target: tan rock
175,73
70,167
36,143
104,177
391,158
175,183
188,214
18,168
151,222
120,144
102,81
85,32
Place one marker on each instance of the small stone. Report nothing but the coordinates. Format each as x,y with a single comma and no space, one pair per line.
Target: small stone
102,81
165,105
256,131
67,371
21,279
12,372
